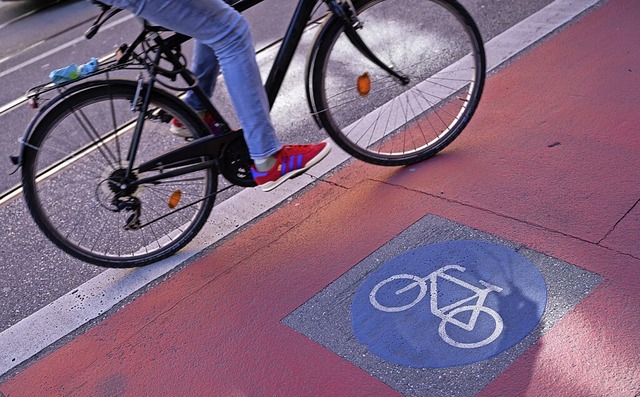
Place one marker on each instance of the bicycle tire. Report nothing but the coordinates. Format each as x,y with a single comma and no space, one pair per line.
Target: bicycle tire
74,161
435,43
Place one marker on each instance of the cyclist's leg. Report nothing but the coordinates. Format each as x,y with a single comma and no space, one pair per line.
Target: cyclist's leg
204,64
219,26
206,68
216,24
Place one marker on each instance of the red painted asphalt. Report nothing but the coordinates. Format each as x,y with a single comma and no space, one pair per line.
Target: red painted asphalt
551,161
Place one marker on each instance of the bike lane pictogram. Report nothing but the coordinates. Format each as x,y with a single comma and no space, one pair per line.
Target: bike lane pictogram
448,304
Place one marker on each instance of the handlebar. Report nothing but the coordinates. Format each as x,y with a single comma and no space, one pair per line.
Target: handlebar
100,4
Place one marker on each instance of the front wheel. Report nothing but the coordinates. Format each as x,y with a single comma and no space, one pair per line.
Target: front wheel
377,117
83,187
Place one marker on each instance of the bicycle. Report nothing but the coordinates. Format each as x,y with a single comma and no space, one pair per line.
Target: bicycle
446,313
106,182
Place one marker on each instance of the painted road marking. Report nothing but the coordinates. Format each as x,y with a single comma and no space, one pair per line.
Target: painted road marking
326,318
447,314
49,53
61,317
476,300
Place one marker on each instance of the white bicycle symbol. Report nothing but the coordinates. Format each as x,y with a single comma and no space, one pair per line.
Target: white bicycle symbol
446,313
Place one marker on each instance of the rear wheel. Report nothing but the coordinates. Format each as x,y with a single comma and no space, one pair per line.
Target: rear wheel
81,194
375,116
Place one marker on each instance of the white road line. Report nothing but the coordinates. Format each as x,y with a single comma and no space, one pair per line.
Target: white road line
23,16
95,297
47,54
13,104
34,45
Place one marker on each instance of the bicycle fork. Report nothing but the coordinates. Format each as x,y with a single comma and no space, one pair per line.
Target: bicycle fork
347,13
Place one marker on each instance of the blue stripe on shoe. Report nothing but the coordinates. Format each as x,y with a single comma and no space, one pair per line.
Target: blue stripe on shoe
257,174
291,163
299,161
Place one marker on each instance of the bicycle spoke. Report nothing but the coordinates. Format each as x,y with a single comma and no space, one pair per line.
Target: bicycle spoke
394,123
96,137
80,190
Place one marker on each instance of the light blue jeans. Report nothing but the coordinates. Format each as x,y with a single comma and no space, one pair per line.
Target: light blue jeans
223,40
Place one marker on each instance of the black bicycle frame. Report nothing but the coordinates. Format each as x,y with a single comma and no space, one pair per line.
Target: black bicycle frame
295,30
212,145
294,33
281,63
290,42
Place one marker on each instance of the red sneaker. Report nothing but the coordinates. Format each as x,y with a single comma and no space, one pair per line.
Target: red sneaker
291,161
178,129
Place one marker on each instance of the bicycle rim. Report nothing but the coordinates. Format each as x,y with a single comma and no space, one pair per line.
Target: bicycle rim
375,117
76,159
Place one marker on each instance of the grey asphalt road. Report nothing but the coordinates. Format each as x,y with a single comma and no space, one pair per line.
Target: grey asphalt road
36,37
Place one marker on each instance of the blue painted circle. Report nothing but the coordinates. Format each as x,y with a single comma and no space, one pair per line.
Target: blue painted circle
448,304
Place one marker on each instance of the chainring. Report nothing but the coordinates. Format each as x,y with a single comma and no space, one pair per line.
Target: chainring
235,163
